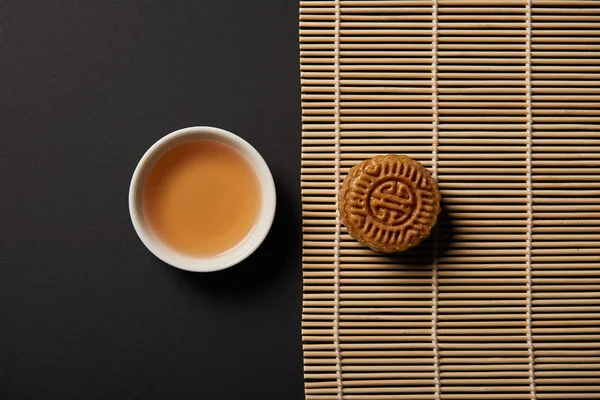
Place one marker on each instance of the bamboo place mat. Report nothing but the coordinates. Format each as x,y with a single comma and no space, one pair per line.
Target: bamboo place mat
500,100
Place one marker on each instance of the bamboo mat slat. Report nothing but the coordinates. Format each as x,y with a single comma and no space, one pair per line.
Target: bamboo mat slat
500,99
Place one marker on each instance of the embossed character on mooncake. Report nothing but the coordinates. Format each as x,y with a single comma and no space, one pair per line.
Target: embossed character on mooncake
390,203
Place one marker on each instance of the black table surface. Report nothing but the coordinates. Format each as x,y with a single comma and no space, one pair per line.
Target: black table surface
86,312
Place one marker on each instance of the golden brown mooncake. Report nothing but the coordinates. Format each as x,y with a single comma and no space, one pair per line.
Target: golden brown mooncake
390,203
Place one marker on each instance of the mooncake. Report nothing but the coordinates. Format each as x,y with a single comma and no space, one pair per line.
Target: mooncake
390,203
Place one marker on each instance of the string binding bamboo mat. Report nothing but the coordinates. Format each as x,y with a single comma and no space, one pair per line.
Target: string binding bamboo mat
500,100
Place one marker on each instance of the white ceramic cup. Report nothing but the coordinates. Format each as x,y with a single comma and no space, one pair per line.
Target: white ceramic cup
234,255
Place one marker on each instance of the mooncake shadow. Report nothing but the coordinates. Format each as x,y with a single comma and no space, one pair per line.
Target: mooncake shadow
445,231
423,254
280,248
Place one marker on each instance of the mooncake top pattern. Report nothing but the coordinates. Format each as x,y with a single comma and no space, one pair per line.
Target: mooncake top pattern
389,203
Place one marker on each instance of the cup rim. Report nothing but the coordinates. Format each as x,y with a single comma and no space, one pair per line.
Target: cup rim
234,255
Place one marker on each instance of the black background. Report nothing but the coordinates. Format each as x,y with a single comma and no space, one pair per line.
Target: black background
86,312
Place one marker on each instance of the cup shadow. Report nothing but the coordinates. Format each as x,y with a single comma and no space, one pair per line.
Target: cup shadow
259,270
